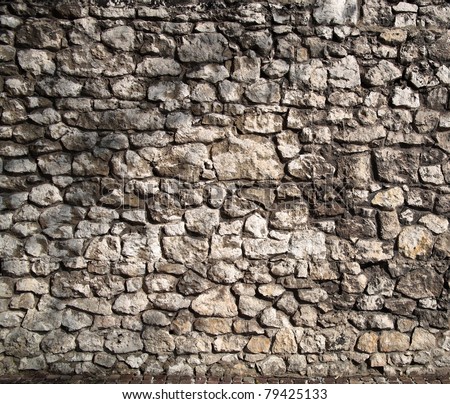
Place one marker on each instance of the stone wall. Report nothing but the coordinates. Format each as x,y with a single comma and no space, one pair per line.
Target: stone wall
225,187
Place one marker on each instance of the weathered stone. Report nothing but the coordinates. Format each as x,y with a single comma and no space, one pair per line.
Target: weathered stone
251,306
264,248
272,366
193,343
263,92
185,249
42,320
158,341
405,97
122,341
74,320
169,301
308,244
92,305
361,134
217,302
391,341
432,175
10,246
124,119
120,38
256,226
22,343
422,340
415,242
57,342
309,167
202,220
59,87
155,318
41,33
105,248
337,12
389,199
11,319
212,73
420,283
203,47
193,284
344,73
285,342
374,250
183,162
37,286
131,303
246,69
213,326
226,247
55,164
368,342
45,195
223,272
382,74
259,344
246,157
36,61
230,343
263,123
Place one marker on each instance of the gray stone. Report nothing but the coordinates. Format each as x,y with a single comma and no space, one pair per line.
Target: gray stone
337,12
422,340
74,320
122,341
22,343
37,286
158,341
131,303
45,195
155,318
92,305
11,319
202,220
246,69
405,97
420,283
120,38
57,342
203,47
41,33
264,248
124,119
10,246
193,343
59,87
263,92
212,73
104,248
397,166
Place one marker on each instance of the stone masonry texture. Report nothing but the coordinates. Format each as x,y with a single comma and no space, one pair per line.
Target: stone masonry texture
209,189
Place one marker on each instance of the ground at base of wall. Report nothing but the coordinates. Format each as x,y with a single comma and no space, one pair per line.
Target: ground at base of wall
44,378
